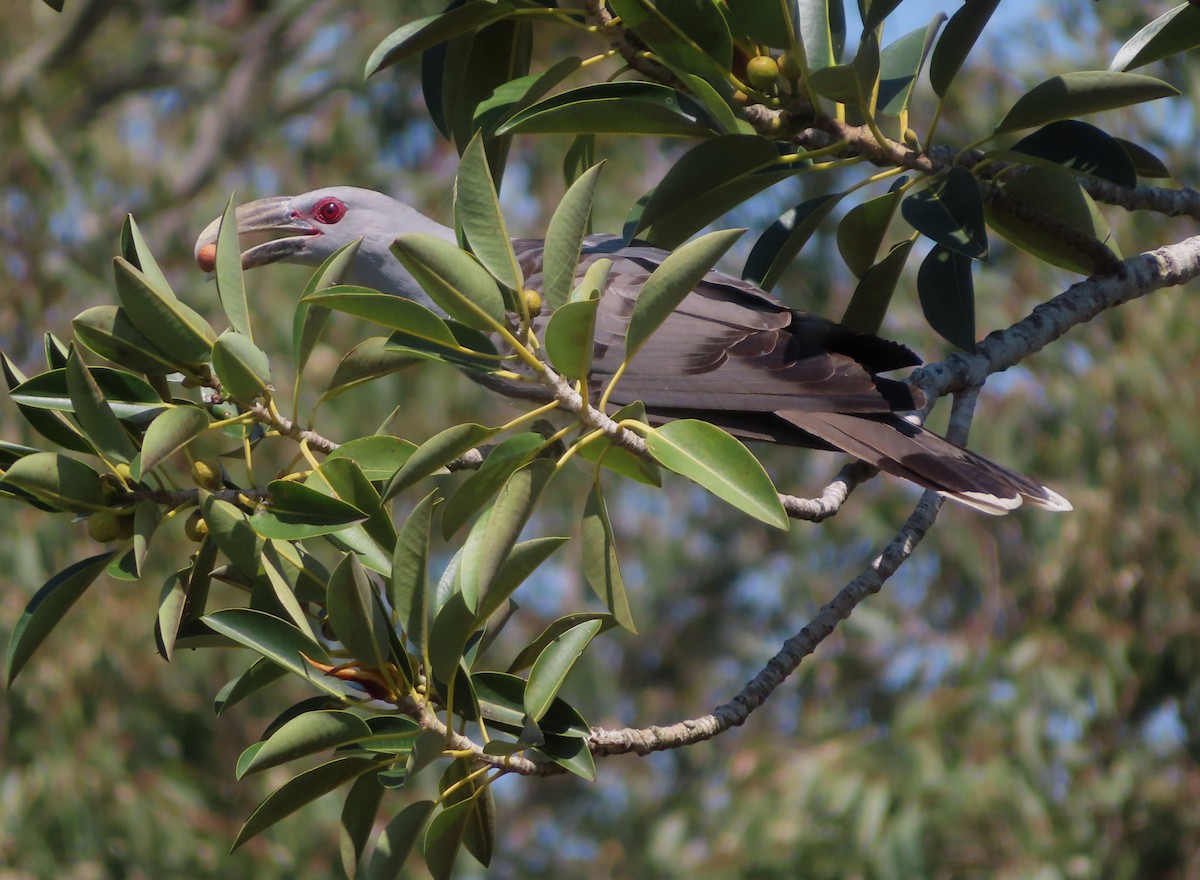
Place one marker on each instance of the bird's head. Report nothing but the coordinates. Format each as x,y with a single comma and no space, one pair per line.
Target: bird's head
307,228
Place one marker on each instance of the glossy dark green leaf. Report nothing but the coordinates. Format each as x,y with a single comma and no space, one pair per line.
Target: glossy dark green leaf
578,157
568,338
136,251
168,433
553,664
873,294
477,209
520,564
492,539
107,331
957,40
947,295
228,525
378,455
949,211
284,568
706,182
301,790
601,569
424,33
862,231
410,562
444,839
1059,196
470,349
261,673
358,821
453,624
278,641
129,397
564,238
603,452
230,287
357,619
435,453
875,11
821,25
1081,92
517,94
59,480
900,65
594,281
453,279
308,321
242,367
478,488
571,753
146,519
307,734
93,413
671,281
1080,147
770,23
47,607
51,425
853,83
1144,162
688,34
371,359
479,835
344,479
1173,32
297,511
623,107
711,458
179,332
527,655
396,841
778,246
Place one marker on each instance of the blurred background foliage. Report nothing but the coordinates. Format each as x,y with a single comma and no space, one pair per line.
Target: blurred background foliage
1022,700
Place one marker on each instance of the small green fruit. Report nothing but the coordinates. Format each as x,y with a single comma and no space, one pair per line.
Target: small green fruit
105,526
206,473
196,527
762,71
790,67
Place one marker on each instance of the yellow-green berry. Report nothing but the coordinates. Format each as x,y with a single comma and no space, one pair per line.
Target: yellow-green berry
196,527
762,71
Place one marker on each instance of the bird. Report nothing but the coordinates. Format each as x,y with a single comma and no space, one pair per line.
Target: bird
731,353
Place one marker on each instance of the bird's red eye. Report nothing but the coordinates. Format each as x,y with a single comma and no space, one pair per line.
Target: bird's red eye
329,210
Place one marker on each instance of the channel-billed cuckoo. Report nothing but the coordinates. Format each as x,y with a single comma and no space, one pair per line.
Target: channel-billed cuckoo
731,353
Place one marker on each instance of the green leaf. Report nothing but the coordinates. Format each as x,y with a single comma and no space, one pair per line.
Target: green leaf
622,107
873,294
300,790
444,839
283,569
1056,195
900,65
711,458
185,593
571,753
520,564
1171,33
568,338
47,607
851,84
594,281
821,25
242,367
605,453
564,238
425,33
136,251
601,569
533,650
706,182
344,479
948,296
453,279
59,480
689,34
950,212
777,247
107,331
862,231
307,734
358,822
371,359
1080,92
131,398
770,23
875,11
172,430
435,453
671,281
228,526
477,208
54,427
508,516
579,156
379,455
1080,147
956,42
308,322
1144,162
550,670
453,625
278,641
410,564
95,416
261,673
396,841
479,835
357,619
178,331
517,94
296,511
479,487
230,287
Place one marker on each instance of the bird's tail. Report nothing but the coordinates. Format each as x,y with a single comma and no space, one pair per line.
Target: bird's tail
899,447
